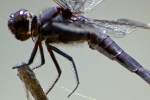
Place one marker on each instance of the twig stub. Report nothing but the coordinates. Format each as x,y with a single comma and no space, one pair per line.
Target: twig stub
31,83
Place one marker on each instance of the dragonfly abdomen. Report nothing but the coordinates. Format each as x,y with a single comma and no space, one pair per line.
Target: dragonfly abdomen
108,47
105,45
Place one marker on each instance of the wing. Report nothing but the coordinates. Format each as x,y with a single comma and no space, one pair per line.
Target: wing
61,3
119,27
78,6
90,4
115,28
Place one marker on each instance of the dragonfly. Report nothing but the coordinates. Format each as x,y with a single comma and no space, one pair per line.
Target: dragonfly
66,24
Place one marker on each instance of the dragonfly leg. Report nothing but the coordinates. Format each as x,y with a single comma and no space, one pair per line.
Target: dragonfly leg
34,51
42,57
70,59
57,67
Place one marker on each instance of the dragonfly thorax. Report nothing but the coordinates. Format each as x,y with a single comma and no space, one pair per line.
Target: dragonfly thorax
66,13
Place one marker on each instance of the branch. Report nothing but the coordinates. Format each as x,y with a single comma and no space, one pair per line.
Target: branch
31,83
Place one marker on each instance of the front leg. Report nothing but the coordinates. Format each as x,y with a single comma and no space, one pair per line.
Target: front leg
42,57
34,51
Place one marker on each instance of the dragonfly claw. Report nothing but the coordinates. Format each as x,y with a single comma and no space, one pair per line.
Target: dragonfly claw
19,66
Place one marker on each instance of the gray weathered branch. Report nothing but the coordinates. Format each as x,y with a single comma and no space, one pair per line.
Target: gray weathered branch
31,83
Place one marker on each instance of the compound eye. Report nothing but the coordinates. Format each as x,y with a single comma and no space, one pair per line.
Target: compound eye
19,22
22,14
11,15
25,13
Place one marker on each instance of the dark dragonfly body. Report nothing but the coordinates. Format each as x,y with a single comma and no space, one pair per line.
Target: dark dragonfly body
61,25
55,32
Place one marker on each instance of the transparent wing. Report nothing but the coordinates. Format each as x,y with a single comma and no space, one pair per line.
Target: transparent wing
119,27
61,3
78,6
90,4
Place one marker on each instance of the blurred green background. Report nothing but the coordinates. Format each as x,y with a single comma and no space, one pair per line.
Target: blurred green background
100,78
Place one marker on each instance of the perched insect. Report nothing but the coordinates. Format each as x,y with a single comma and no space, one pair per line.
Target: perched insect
65,24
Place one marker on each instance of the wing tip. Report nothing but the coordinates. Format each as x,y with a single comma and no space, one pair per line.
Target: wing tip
148,25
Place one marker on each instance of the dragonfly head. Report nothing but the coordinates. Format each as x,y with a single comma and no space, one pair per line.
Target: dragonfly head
19,24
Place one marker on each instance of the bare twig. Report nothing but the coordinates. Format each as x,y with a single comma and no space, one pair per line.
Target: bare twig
31,83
